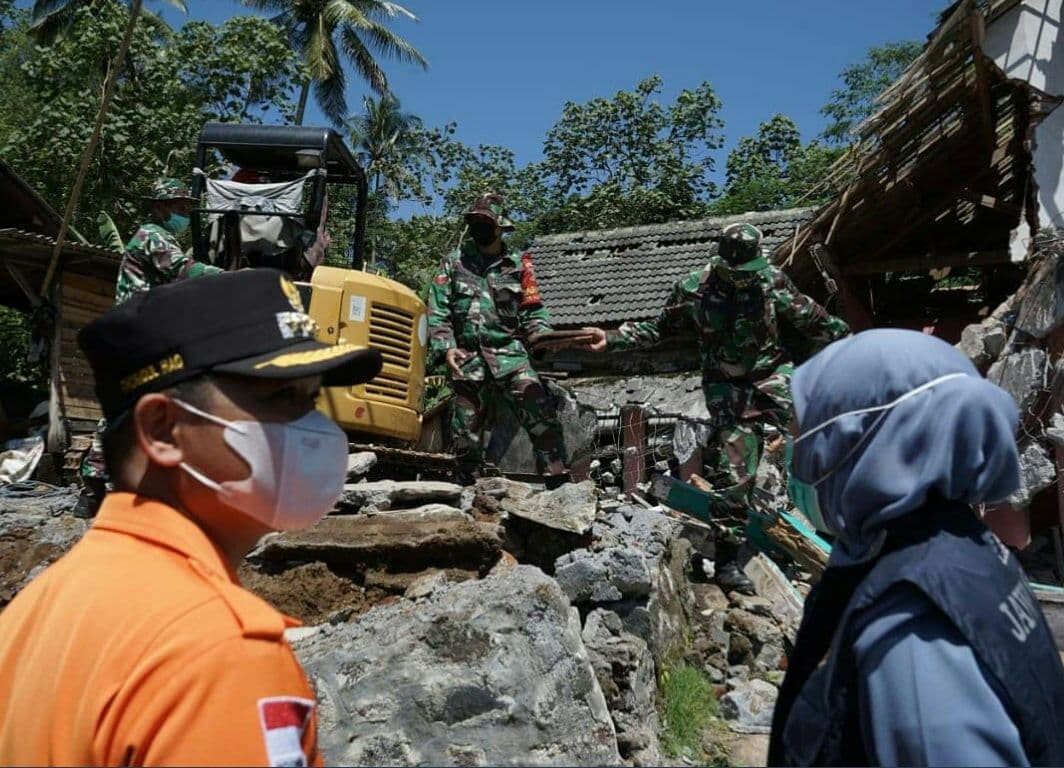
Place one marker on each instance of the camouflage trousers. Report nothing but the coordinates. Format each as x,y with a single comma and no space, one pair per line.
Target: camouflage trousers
740,413
525,394
93,466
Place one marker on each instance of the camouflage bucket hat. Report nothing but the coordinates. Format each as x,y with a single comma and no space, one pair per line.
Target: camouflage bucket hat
493,207
168,188
740,246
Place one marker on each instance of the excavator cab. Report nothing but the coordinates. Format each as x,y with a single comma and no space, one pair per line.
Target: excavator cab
272,212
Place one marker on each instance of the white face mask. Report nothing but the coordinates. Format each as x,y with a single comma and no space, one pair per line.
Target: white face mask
298,468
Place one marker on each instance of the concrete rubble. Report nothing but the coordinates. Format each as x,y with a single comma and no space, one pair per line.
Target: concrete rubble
496,624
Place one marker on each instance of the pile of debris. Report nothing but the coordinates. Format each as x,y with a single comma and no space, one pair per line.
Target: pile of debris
1019,347
494,624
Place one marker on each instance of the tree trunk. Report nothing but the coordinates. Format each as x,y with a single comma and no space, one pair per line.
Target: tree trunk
301,110
90,149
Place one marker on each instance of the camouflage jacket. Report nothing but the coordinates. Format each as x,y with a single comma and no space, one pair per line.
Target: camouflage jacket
737,319
153,257
489,309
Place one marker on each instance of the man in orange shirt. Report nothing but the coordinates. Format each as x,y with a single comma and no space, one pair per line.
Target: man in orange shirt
139,647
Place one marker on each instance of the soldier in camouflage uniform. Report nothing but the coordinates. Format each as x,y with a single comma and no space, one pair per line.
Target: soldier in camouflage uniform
483,305
152,257
736,303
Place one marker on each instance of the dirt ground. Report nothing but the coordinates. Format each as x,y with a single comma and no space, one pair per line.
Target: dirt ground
309,592
20,553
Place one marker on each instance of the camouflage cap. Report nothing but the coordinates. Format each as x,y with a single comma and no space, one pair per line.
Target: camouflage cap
168,188
740,246
492,206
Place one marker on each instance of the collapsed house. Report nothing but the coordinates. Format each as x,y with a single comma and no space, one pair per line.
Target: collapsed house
84,287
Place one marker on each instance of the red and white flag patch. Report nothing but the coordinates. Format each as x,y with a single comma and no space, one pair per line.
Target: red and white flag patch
283,720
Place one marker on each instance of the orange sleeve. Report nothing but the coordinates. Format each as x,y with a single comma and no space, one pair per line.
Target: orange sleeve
241,702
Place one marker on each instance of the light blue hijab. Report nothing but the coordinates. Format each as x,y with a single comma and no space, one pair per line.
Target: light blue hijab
955,437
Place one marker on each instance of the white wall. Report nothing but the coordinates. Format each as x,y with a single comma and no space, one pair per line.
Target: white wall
1022,43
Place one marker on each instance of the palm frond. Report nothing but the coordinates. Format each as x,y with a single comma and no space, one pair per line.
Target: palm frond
360,55
390,44
329,93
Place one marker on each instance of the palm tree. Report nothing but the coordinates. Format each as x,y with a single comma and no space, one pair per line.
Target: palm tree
383,135
322,31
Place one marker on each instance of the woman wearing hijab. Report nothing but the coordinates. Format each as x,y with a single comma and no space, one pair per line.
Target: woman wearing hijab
922,644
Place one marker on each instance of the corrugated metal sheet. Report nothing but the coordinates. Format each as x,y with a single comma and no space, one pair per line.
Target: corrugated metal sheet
606,277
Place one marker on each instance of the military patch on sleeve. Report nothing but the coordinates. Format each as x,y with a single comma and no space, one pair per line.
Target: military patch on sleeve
441,280
283,720
529,285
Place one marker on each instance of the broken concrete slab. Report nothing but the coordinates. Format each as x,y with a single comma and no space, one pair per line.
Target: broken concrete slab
401,583
440,513
570,508
359,465
1022,374
625,670
771,584
392,494
603,577
749,706
490,672
386,543
1042,309
1037,472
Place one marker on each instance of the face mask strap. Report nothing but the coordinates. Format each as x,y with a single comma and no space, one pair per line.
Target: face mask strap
214,486
209,416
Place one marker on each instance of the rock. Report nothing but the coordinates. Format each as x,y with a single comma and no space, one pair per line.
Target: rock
386,543
740,649
749,749
750,706
569,508
359,465
1042,309
769,657
771,584
752,604
1055,430
425,584
491,672
603,577
625,671
758,628
389,494
429,513
1021,374
973,346
994,341
1037,472
709,597
29,508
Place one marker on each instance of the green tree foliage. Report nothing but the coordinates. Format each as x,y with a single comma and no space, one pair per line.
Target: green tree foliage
631,159
325,32
773,170
54,18
862,83
168,89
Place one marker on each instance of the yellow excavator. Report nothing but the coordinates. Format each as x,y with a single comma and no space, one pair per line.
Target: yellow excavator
272,212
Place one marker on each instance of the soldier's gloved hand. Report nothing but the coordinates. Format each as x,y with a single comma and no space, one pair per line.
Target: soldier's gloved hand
599,342
455,358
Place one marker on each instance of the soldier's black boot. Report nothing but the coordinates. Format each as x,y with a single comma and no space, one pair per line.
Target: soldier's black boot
728,575
90,499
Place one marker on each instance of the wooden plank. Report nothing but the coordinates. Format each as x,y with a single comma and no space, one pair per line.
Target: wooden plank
633,439
926,263
982,80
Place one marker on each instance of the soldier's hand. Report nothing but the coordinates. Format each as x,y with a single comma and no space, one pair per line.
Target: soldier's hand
598,343
455,358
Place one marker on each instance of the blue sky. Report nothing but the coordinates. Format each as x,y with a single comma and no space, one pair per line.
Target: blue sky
502,70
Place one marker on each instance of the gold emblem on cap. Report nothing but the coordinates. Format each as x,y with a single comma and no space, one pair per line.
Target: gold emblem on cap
291,293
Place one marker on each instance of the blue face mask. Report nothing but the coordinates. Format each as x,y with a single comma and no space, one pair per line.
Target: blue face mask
176,223
804,495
